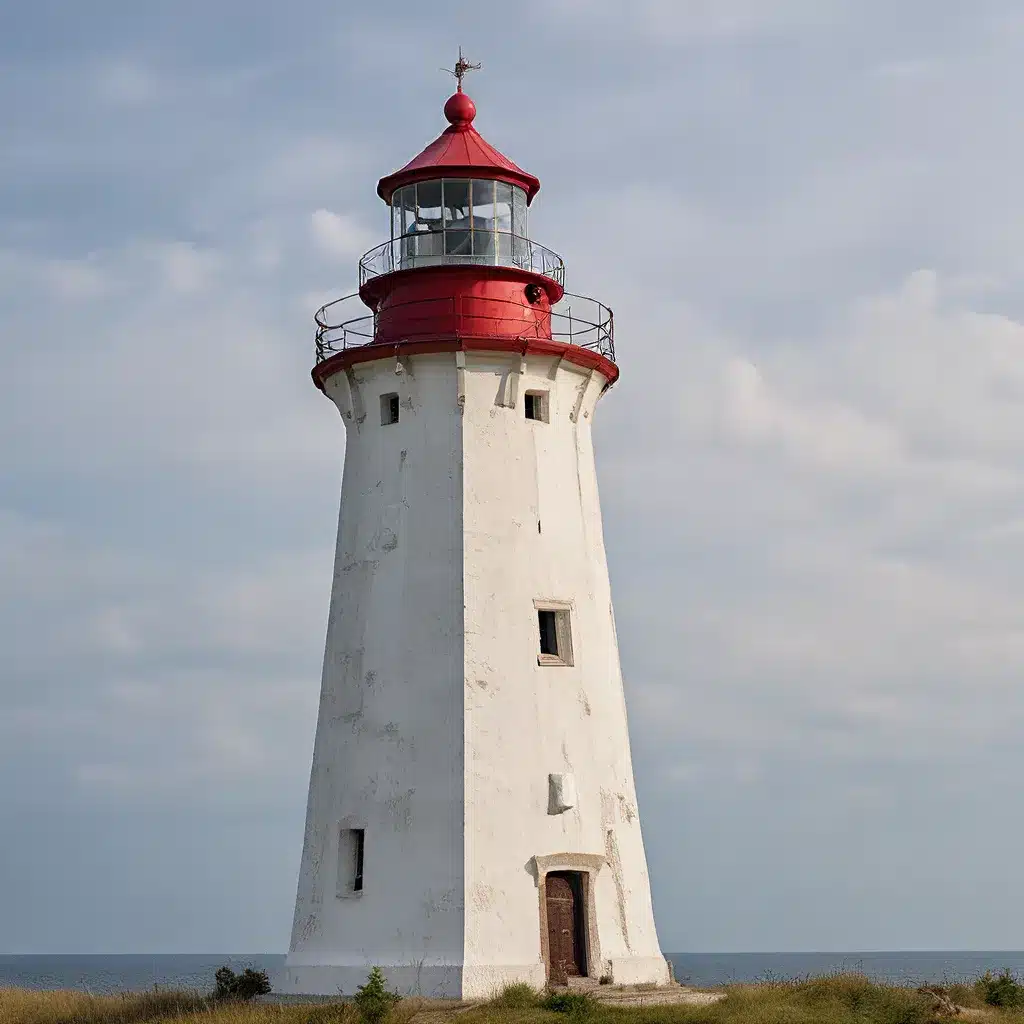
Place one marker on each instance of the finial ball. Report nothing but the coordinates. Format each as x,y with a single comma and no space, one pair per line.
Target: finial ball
459,109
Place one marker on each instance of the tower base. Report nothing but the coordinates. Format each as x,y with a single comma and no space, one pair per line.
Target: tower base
437,980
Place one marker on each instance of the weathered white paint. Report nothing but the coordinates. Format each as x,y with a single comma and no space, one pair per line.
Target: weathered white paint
438,730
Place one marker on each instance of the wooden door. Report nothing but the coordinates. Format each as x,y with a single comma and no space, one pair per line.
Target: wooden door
565,932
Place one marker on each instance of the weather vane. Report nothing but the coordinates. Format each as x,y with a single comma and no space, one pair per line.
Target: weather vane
462,67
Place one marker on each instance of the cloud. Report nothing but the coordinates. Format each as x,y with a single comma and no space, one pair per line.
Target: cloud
672,21
183,343
337,236
184,268
832,529
810,468
75,279
127,83
826,436
163,681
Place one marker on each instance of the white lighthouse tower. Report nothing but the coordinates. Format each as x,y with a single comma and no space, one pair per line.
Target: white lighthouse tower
472,818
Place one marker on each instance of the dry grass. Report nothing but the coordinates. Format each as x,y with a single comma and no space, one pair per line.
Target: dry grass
21,1006
845,999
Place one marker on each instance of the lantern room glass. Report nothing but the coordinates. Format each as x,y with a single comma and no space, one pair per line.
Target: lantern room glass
459,220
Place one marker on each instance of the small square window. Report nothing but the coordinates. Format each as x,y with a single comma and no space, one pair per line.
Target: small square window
536,403
351,842
388,409
554,633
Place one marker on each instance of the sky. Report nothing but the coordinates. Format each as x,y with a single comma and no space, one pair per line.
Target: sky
808,217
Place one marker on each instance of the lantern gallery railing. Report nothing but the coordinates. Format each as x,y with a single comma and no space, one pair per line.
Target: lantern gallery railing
450,247
575,320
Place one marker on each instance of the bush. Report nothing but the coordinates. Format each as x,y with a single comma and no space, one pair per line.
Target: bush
518,996
579,1004
1002,990
373,1001
241,987
855,997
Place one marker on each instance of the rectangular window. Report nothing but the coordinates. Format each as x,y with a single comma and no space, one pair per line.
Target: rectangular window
503,222
351,842
548,632
520,242
458,228
536,403
388,409
483,220
553,627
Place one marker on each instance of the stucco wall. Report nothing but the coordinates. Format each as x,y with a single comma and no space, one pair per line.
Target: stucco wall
533,532
388,752
438,729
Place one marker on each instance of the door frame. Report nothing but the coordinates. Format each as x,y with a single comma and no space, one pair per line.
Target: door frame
587,866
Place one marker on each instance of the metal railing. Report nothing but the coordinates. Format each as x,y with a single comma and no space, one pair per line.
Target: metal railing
445,249
575,320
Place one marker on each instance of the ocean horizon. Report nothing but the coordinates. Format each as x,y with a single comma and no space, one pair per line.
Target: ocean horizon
134,972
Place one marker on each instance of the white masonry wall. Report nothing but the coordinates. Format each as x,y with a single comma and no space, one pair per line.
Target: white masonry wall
388,755
438,730
533,532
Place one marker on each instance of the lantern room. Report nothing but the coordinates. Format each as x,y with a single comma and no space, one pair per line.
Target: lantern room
450,221
459,267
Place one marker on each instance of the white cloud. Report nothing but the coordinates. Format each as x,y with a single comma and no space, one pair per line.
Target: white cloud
184,268
812,500
833,522
338,236
161,679
183,356
75,279
125,82
668,21
828,436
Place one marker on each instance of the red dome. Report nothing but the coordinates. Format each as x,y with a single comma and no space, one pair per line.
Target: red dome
460,151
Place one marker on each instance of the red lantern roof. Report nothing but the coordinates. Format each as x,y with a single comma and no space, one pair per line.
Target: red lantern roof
460,151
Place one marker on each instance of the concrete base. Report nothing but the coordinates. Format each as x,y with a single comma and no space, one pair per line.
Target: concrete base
449,981
646,970
437,980
431,980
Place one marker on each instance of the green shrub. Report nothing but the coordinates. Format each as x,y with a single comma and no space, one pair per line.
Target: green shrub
373,1001
579,1004
1000,990
855,997
241,987
517,996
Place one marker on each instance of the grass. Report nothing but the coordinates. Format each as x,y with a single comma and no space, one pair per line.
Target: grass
842,999
21,1006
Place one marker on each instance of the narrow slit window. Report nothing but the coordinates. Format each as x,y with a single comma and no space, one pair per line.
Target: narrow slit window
350,861
388,409
548,632
554,634
536,404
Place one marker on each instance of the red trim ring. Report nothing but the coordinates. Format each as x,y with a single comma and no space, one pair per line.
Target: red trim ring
532,346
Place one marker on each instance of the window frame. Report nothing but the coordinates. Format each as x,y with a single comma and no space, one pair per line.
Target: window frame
389,403
562,610
531,399
351,873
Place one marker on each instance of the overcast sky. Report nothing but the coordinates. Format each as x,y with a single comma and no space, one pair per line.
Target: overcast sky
808,216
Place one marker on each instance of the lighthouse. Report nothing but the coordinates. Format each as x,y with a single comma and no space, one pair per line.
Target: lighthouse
472,818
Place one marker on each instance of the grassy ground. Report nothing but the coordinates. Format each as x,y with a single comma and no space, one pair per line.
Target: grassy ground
847,999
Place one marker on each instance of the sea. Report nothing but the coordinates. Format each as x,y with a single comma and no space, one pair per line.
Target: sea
134,972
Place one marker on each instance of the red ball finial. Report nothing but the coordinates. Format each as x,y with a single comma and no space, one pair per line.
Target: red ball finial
460,109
